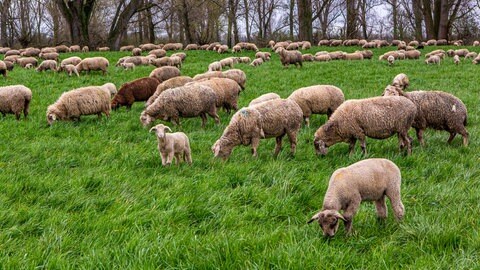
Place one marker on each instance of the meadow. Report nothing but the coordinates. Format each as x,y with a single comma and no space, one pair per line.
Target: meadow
93,194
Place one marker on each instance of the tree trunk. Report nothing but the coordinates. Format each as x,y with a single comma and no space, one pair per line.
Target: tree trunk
247,20
305,20
351,19
4,7
291,19
417,13
427,14
443,23
120,24
394,5
77,13
151,26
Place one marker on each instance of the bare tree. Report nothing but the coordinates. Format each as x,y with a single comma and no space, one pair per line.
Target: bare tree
77,14
305,31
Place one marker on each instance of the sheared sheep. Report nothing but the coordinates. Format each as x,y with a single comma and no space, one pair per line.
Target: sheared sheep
367,180
138,90
317,99
93,63
437,110
273,118
15,99
164,73
172,145
82,101
186,101
127,66
191,47
263,98
378,118
170,83
47,65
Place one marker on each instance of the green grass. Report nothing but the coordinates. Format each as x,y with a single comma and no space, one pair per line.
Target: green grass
93,194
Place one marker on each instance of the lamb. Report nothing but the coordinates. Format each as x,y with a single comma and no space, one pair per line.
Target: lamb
263,98
437,110
230,61
93,63
367,180
46,65
401,80
434,59
138,90
290,57
236,49
377,117
317,99
391,60
273,118
244,59
82,101
69,69
85,49
456,60
172,145
164,73
257,62
15,99
170,83
3,69
215,66
74,60
127,66
185,101
182,55
226,91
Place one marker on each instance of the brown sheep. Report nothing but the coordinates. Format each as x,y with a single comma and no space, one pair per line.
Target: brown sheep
137,90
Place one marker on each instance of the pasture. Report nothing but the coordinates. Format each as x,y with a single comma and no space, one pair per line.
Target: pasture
93,194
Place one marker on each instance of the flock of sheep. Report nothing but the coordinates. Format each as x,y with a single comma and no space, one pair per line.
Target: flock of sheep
170,96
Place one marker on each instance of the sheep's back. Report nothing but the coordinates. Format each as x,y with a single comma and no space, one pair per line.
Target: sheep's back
188,101
279,115
318,98
84,101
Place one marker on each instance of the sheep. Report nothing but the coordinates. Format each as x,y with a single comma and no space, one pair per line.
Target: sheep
391,60
75,48
367,54
185,101
27,60
413,54
257,62
191,47
244,59
353,56
148,47
474,61
50,56
401,81
46,65
82,101
93,63
162,62
322,58
85,49
230,61
290,57
172,145
437,110
367,180
3,69
456,59
208,74
263,98
29,66
127,66
170,83
237,75
264,55
306,45
127,48
317,99
176,61
12,58
273,118
476,43
377,117
226,91
69,69
136,51
61,49
74,60
222,49
12,52
434,59
103,49
30,52
471,55
271,43
15,99
110,88
307,57
438,52
236,49
215,66
159,53
9,65
164,73
137,90
182,55
336,55
173,46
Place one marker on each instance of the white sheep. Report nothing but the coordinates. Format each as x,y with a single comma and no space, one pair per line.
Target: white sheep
257,62
263,98
215,66
127,66
15,99
172,145
70,69
401,80
367,180
456,59
93,63
391,60
434,59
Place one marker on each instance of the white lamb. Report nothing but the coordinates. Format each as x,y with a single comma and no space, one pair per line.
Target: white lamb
172,145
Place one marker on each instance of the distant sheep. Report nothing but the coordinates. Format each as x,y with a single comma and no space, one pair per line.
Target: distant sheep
138,90
159,53
47,65
74,60
456,59
215,66
263,98
69,69
24,61
434,59
367,180
290,57
228,62
265,56
137,52
307,57
15,99
257,62
93,63
82,101
172,145
353,56
378,117
391,60
49,56
322,58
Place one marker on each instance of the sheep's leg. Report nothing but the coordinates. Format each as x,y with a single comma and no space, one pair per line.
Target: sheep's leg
164,158
350,212
214,115
396,202
255,142
307,121
381,208
188,156
204,119
99,115
452,136
351,146
292,137
17,115
420,136
177,158
278,145
169,158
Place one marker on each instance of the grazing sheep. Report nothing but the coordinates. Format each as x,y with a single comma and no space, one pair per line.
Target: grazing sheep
170,83
474,61
237,75
50,56
172,145
208,74
308,57
263,98
136,52
29,66
244,59
378,118
438,52
290,57
472,55
110,88
367,54
226,91
434,59
61,49
74,60
230,61
85,49
75,48
12,52
401,80
82,101
148,47
413,54
69,69
15,99
159,53
176,61
337,55
161,62
127,66
47,65
182,55
103,49
215,66
3,69
456,59
391,60
93,63
317,99
186,101
437,110
9,65
222,49
138,90
367,180
476,43
164,73
27,60
257,62
173,46
191,47
31,52
353,56
273,118
264,55
413,43
127,48
323,58
236,49
306,45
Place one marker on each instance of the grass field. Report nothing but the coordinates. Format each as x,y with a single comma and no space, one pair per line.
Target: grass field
93,194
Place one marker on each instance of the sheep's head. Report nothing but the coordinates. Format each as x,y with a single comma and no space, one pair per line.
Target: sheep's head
392,90
146,119
222,149
160,130
51,117
328,221
325,136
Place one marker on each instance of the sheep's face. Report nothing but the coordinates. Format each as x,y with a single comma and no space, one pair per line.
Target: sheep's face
146,119
220,150
51,118
320,147
160,130
328,221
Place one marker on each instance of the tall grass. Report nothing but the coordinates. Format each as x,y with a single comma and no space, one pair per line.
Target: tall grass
93,194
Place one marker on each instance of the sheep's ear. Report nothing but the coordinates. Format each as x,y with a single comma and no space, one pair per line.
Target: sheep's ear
339,216
167,128
154,129
315,217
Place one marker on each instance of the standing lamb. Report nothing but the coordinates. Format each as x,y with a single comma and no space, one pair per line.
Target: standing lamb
434,59
93,63
257,62
186,101
172,145
290,57
437,110
137,90
273,118
82,101
456,60
15,99
377,117
367,180
74,60
318,99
